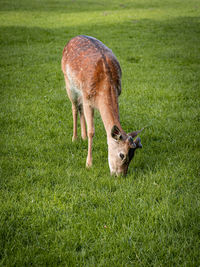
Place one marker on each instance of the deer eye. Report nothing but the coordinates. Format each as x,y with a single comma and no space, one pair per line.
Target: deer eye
121,155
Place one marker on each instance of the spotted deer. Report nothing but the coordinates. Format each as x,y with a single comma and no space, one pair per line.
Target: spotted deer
93,81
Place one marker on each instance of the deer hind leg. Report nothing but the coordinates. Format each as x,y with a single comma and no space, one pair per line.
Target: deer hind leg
74,114
83,123
74,109
89,115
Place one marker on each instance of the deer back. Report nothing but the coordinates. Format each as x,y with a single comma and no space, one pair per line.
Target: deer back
92,68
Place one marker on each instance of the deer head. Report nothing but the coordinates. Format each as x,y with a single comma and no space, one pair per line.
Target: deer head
121,149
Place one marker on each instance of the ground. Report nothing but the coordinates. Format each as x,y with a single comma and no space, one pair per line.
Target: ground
55,212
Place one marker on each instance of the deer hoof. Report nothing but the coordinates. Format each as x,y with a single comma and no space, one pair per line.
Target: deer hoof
74,138
84,137
88,164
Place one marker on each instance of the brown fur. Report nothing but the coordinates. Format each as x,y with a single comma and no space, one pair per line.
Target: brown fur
93,80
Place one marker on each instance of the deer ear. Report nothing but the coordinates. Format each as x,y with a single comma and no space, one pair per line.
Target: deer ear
137,142
115,133
134,134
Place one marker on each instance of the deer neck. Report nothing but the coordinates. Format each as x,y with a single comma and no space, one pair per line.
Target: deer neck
109,110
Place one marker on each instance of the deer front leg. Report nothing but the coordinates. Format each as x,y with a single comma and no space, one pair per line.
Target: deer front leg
74,114
89,114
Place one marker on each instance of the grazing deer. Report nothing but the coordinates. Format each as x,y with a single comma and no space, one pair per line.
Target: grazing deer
93,80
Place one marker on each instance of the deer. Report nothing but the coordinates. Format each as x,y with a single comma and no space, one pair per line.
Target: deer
92,76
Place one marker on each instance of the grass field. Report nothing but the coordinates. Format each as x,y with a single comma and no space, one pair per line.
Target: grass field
55,212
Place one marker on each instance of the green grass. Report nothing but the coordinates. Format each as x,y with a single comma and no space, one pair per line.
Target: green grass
55,212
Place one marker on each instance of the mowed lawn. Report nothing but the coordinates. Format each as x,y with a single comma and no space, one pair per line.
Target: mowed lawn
55,212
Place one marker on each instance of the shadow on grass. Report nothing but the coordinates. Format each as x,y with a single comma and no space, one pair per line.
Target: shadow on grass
179,29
